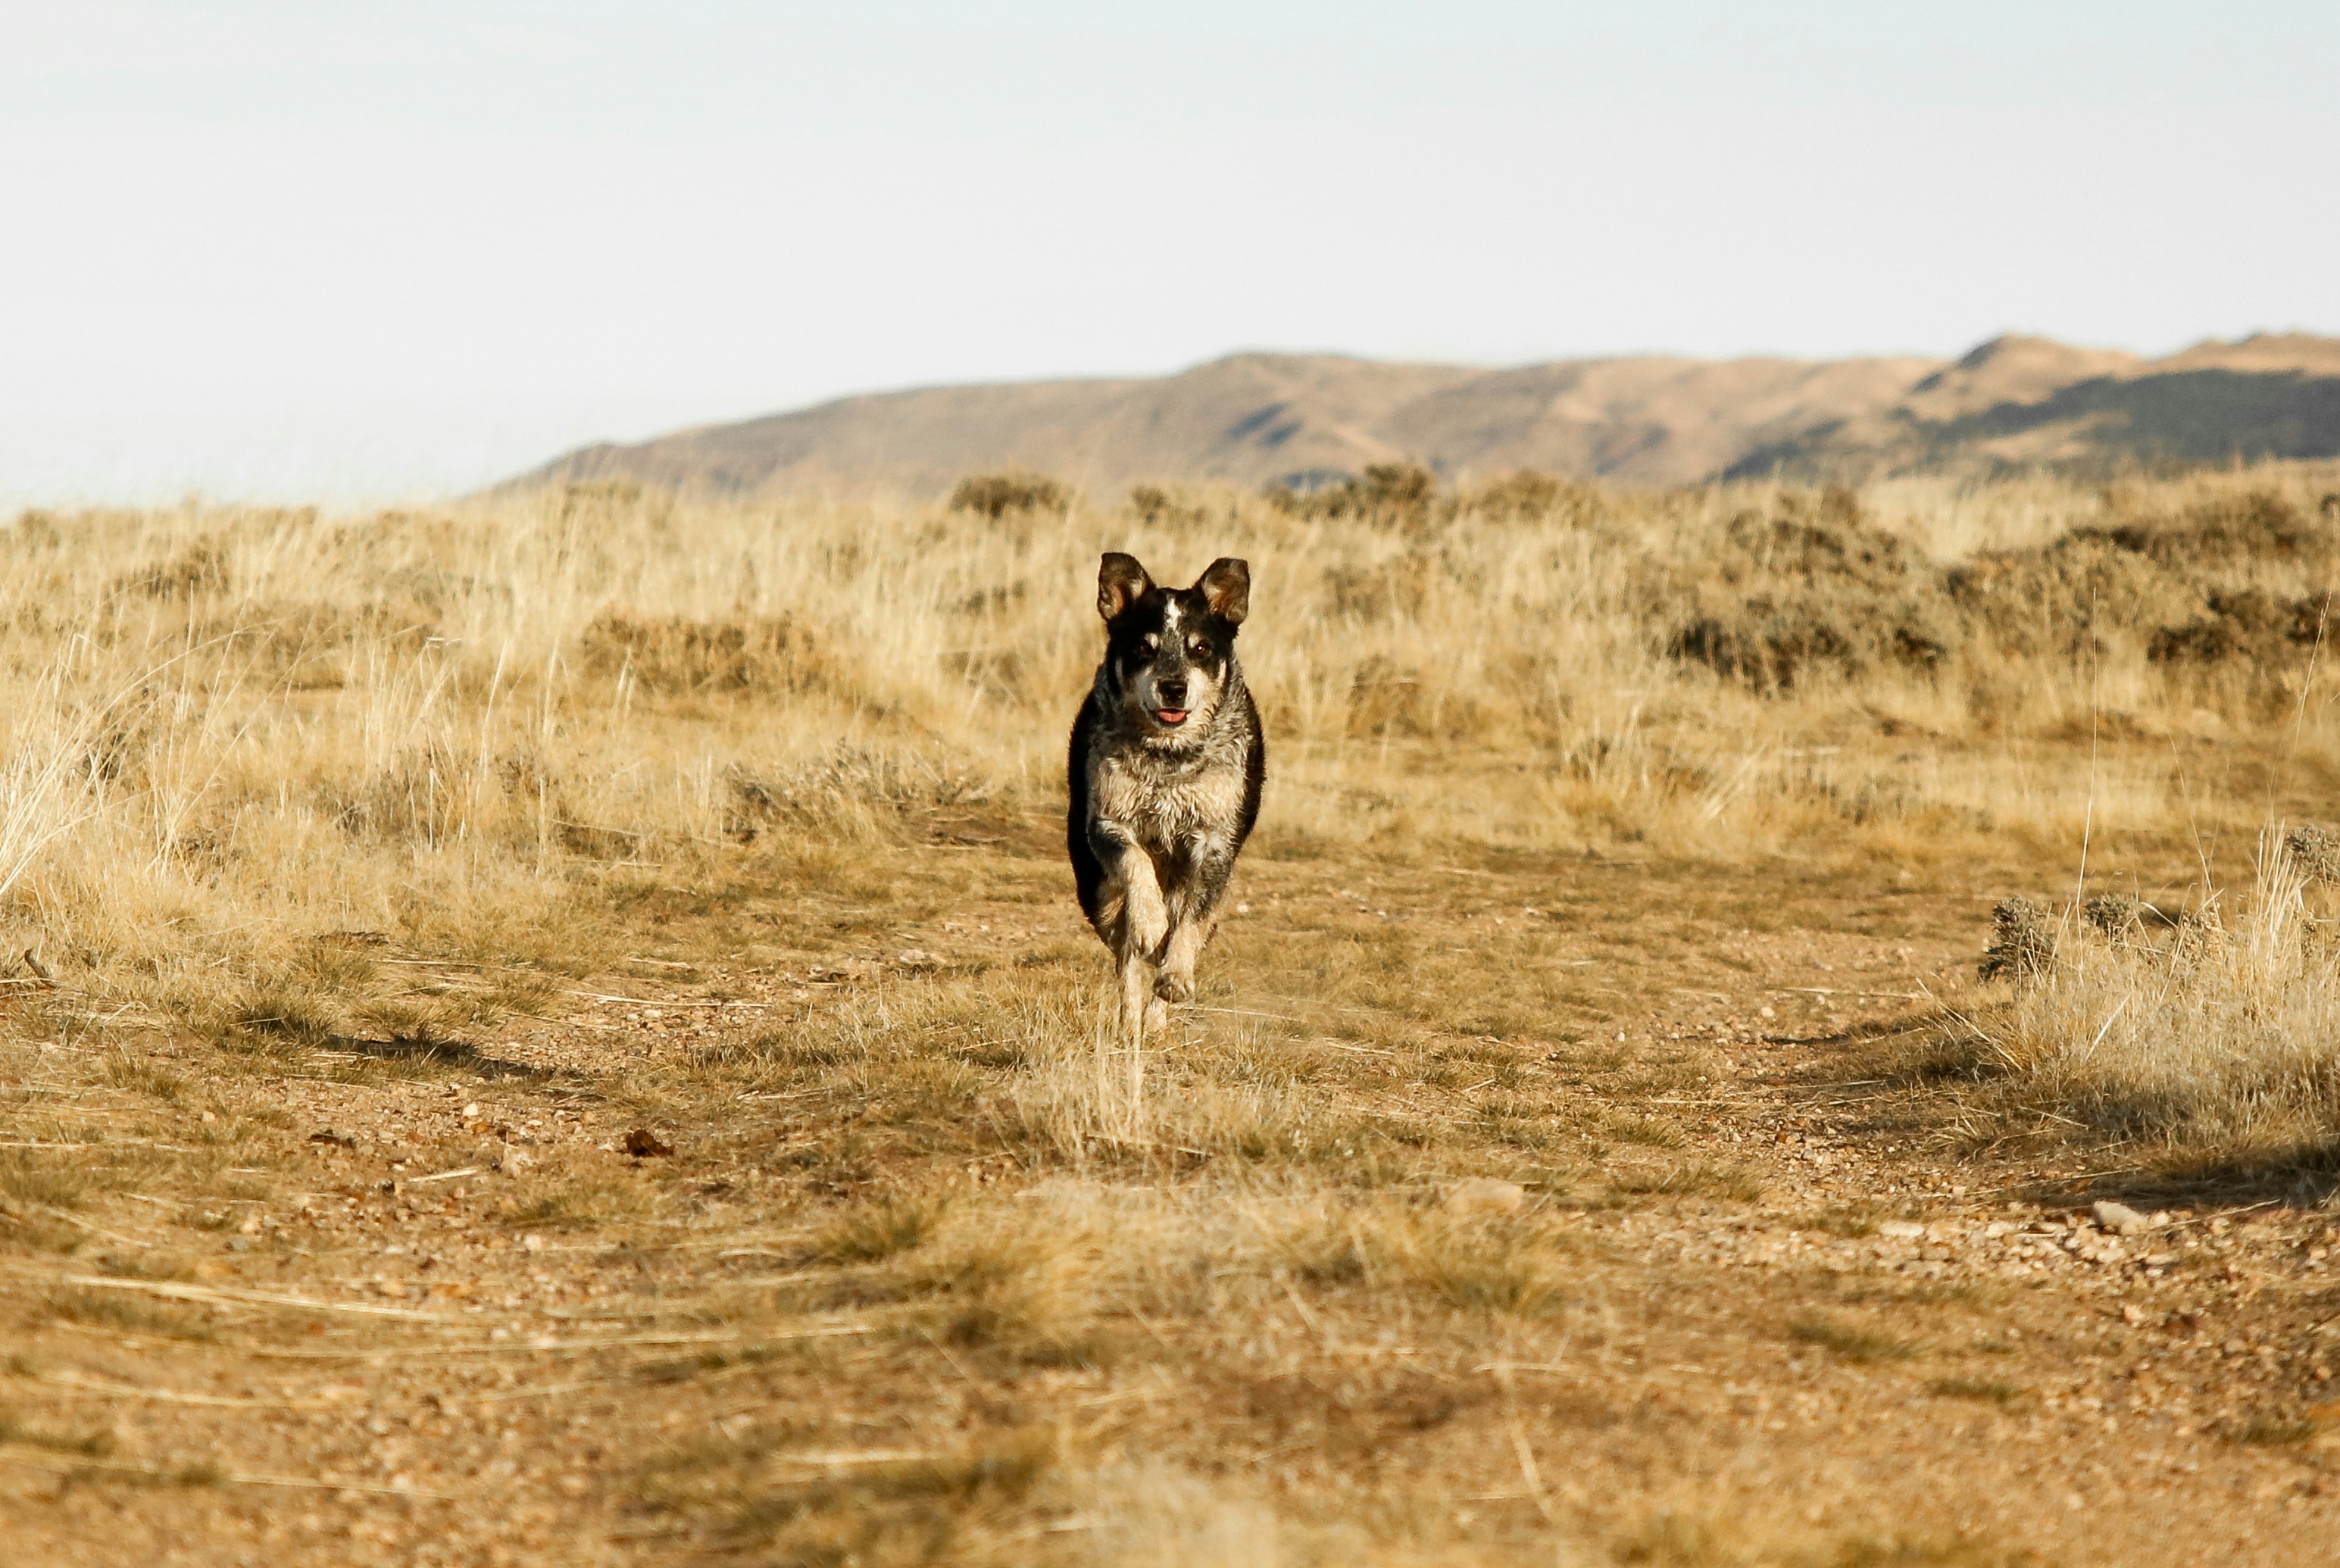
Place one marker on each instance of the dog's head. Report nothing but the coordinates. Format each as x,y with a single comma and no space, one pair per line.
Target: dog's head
1169,651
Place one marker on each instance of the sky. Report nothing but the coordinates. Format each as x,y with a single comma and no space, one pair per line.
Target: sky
359,252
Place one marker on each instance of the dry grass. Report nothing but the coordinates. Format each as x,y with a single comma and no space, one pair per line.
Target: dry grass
289,725
352,854
1852,1341
2214,1035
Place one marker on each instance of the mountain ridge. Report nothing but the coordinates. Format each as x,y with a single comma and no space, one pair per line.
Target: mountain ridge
1257,418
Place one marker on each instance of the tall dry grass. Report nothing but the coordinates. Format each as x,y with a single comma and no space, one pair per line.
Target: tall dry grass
231,731
2214,1037
257,764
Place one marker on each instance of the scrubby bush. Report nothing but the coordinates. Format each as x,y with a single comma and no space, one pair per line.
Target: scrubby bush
999,495
1806,589
677,653
1405,494
1528,493
1812,588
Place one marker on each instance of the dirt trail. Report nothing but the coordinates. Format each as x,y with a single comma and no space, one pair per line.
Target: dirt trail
763,1247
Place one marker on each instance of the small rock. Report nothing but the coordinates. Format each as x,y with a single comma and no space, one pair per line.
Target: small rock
2132,1314
918,958
1901,1229
471,1111
643,1143
2119,1218
531,1242
1486,1194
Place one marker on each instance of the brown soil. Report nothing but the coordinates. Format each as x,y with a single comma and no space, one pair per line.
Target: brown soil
1763,1297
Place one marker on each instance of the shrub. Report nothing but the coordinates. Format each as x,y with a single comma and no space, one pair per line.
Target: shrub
1526,494
1808,588
671,653
2249,625
2022,940
999,495
1405,494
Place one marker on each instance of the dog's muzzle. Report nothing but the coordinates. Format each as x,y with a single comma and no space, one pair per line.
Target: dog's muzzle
1170,704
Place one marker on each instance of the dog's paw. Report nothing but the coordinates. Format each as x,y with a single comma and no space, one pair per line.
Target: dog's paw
1157,1017
1178,988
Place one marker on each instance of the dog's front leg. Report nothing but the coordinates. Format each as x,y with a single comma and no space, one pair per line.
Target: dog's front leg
1192,917
1177,983
1143,922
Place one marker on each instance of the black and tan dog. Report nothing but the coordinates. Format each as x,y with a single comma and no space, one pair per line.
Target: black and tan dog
1166,767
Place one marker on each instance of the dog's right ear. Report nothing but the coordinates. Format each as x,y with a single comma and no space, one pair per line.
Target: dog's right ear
1121,582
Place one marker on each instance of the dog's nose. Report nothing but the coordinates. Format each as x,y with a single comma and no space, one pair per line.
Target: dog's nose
1172,692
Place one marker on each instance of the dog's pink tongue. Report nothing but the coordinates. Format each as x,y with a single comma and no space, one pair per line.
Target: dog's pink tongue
1171,715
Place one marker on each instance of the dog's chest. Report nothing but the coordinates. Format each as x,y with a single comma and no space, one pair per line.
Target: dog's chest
1165,804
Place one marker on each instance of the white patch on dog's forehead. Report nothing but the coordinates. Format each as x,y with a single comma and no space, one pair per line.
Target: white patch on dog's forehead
1170,619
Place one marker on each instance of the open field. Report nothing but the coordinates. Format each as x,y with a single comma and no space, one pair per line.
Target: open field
556,1031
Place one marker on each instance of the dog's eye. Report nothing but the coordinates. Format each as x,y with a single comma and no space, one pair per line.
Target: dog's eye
1198,649
1149,643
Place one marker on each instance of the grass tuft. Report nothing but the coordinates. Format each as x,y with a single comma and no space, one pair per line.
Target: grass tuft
2272,1432
871,1233
1850,1342
2218,1035
1988,1391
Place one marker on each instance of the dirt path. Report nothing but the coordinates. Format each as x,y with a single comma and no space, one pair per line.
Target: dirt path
1482,1211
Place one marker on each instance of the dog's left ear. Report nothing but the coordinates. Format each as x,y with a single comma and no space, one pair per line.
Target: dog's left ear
1226,586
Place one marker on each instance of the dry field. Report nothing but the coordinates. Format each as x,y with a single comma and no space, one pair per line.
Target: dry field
556,1031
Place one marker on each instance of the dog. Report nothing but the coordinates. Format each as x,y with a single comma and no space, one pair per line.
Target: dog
1165,772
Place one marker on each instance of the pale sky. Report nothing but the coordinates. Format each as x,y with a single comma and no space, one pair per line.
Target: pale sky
350,252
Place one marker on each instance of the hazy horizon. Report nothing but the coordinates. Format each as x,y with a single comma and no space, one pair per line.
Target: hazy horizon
386,255
450,454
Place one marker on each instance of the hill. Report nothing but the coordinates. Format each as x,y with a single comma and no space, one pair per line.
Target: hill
2019,403
1255,419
